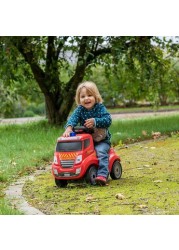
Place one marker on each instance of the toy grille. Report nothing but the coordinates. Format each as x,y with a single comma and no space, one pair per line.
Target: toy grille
67,163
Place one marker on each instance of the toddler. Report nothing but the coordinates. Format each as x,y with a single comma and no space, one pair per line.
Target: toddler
91,113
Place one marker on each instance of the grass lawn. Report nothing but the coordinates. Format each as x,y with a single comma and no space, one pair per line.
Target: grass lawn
149,185
25,148
143,109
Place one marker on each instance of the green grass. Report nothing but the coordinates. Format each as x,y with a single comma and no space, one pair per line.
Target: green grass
24,148
6,209
149,186
143,109
142,128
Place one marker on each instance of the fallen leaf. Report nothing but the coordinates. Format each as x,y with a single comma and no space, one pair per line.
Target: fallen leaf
143,206
144,132
157,181
90,198
146,166
156,135
120,196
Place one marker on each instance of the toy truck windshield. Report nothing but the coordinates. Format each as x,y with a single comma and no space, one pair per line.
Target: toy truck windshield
70,146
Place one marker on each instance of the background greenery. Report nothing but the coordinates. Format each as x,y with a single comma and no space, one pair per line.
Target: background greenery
40,74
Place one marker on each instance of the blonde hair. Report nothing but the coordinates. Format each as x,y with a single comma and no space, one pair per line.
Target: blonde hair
91,88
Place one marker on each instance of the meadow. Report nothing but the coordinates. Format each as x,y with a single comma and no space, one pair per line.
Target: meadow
27,147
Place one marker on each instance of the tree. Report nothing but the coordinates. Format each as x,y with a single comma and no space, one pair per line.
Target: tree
18,87
48,57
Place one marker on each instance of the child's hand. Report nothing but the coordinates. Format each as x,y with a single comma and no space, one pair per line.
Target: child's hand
89,123
67,131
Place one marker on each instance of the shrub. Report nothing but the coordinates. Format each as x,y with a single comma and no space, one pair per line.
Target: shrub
29,113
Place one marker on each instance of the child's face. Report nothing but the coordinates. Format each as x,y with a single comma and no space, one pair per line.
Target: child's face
87,100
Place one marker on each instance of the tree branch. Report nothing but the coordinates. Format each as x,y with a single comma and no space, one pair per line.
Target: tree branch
23,47
60,46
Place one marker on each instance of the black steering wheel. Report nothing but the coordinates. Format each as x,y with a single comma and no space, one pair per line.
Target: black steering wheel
82,129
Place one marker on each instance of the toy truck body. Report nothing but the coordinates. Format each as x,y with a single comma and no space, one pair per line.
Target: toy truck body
75,159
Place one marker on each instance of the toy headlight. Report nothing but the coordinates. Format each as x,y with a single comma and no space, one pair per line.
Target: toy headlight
78,159
55,159
78,170
55,171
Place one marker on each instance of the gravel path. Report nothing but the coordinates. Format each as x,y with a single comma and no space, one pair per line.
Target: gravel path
15,196
114,116
20,120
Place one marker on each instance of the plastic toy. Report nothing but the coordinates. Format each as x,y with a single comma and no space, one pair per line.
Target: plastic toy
75,159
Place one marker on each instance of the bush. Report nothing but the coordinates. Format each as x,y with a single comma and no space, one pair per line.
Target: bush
28,113
37,109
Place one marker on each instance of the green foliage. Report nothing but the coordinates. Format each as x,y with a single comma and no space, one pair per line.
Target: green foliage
133,68
17,85
157,84
37,109
29,113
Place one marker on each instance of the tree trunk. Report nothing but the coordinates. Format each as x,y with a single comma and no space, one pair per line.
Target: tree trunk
60,104
57,113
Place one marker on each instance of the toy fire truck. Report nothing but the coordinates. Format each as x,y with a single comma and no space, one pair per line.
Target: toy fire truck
75,159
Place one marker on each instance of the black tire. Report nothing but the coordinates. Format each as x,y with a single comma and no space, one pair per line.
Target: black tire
116,171
61,183
91,175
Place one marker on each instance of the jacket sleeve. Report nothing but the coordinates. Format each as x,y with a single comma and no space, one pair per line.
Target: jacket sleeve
103,120
74,118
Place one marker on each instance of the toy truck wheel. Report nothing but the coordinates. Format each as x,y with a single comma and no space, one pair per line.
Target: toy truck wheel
61,183
91,175
116,170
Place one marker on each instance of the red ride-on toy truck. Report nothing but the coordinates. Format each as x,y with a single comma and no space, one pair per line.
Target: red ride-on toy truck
75,159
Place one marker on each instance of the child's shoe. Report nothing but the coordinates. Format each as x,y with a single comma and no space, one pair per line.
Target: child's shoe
100,180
